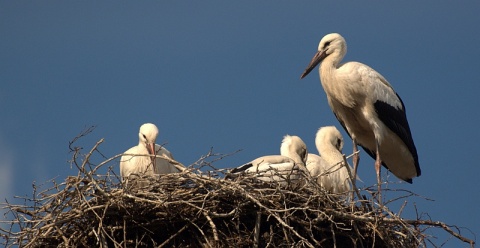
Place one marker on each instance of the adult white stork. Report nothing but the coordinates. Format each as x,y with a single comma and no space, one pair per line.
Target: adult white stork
284,168
368,108
329,168
141,159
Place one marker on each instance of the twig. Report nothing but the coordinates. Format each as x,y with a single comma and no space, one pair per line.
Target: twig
256,236
196,208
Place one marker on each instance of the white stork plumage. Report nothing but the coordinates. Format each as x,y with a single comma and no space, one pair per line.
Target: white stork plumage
146,162
283,168
329,168
368,108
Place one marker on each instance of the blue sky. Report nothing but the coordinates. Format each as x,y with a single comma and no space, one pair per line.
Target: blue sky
226,75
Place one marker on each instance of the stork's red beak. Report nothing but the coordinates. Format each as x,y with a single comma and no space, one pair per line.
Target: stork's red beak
317,58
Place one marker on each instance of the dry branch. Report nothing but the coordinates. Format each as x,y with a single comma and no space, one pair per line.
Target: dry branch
195,208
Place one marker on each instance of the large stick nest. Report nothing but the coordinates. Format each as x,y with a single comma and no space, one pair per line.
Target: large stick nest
200,209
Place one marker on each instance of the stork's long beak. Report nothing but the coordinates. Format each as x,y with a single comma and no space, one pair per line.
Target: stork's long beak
317,58
153,153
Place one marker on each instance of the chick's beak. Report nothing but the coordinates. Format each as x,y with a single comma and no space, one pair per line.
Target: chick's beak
153,153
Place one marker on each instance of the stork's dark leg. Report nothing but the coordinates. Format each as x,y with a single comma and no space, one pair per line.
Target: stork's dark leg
378,166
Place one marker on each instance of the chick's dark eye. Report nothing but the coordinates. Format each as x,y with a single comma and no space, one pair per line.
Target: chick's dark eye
145,137
326,44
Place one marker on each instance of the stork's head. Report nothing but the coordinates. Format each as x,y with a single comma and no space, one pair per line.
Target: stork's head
147,136
294,148
329,136
330,44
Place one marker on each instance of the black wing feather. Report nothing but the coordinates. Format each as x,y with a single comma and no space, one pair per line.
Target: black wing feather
235,172
241,168
396,120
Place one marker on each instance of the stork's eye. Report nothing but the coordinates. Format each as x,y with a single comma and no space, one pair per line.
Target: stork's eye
145,137
326,44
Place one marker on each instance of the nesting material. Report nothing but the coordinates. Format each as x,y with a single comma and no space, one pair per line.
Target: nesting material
199,209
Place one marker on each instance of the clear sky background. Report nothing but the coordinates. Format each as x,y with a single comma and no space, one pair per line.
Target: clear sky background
226,75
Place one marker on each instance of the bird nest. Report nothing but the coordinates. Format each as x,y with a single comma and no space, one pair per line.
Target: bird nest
198,208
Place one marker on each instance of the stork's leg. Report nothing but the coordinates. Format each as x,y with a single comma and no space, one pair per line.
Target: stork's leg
356,159
378,166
